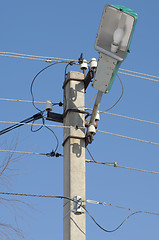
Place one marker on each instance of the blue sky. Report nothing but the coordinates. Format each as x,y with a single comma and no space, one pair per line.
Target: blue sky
65,29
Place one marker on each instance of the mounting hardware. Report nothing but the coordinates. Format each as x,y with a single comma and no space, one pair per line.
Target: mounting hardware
48,106
77,205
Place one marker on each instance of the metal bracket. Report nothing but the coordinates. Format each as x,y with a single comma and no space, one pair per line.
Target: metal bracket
55,117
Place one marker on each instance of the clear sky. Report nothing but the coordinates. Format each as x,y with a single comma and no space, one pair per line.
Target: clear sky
65,29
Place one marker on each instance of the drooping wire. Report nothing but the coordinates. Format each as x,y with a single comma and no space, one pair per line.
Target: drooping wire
32,83
71,199
33,102
119,97
57,145
94,159
65,76
28,120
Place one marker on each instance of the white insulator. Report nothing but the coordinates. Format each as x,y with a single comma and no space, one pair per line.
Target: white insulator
84,65
97,118
48,106
93,63
91,129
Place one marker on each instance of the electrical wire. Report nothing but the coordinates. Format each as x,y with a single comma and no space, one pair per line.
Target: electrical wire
127,117
70,199
51,154
65,77
43,119
56,59
133,75
119,97
113,114
130,209
32,83
130,138
87,160
19,100
57,141
34,57
30,119
93,160
152,76
35,124
116,165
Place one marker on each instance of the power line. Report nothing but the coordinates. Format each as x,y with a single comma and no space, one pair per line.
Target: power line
67,198
37,124
113,114
34,57
87,160
19,100
126,137
56,59
21,152
51,154
138,73
127,117
116,165
133,75
129,209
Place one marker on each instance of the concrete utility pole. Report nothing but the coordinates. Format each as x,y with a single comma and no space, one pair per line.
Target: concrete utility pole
74,223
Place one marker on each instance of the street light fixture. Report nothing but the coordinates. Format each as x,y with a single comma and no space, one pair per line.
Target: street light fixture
113,41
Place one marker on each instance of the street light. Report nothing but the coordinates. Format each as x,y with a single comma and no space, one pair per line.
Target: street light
115,31
113,41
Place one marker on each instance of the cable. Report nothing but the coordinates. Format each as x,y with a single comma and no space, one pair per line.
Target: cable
132,75
131,118
55,59
31,87
113,114
116,165
57,145
70,199
130,138
51,154
87,160
43,120
93,160
34,57
88,102
129,209
119,97
33,118
65,76
48,125
18,100
139,73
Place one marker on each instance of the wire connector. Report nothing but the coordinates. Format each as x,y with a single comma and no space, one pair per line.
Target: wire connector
53,154
77,202
95,202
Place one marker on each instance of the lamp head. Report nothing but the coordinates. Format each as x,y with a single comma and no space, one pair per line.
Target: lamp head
115,31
